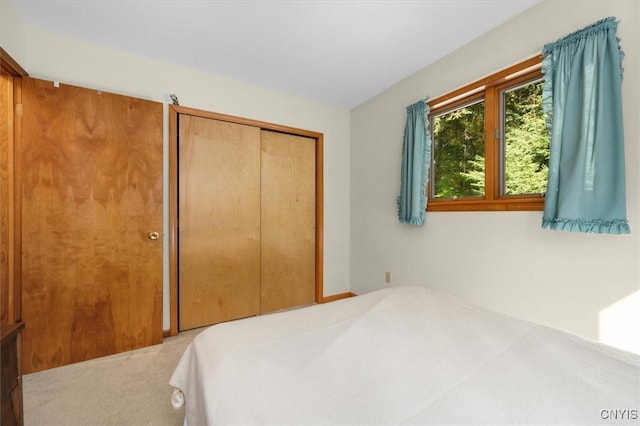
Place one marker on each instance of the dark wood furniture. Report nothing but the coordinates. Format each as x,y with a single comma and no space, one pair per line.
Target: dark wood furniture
11,379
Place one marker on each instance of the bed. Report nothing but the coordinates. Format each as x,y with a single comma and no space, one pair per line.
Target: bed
402,355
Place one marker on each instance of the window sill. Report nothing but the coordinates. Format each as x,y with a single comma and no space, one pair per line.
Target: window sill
503,204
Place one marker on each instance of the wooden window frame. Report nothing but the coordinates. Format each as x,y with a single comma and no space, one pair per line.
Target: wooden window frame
489,89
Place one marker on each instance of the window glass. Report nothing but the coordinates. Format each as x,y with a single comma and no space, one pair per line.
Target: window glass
525,154
458,152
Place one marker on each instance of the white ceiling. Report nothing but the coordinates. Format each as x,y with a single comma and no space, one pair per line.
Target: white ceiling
336,52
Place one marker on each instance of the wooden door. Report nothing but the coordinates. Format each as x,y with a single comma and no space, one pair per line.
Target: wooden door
288,221
219,221
92,194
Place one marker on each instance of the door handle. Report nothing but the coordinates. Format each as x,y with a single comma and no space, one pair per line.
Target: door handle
154,235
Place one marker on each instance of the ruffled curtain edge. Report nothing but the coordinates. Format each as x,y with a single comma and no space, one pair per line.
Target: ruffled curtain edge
617,226
426,161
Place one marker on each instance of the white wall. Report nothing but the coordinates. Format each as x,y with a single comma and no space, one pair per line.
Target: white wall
53,57
12,33
585,284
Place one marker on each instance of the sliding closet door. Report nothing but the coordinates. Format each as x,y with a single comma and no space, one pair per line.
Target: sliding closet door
92,203
219,221
288,209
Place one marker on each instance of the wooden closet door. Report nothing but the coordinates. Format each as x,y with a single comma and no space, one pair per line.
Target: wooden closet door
288,212
219,221
92,194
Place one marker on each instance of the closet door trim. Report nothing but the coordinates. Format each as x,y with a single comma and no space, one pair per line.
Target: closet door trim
174,112
14,225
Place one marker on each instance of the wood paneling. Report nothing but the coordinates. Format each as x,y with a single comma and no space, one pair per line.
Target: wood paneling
10,134
92,193
6,168
10,245
219,221
288,219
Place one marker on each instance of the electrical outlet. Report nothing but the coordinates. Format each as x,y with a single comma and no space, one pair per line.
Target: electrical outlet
387,277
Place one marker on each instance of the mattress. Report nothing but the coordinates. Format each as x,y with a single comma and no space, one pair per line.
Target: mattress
402,355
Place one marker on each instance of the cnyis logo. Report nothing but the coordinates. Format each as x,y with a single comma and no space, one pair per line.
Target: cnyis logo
619,414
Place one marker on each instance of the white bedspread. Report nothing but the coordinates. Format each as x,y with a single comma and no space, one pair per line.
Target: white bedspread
402,355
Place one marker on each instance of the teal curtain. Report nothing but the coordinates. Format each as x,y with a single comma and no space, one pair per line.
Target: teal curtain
583,106
416,156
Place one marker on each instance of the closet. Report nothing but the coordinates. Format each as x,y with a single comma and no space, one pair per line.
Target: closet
248,217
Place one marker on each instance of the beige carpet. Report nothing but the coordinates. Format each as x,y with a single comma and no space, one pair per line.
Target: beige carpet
125,389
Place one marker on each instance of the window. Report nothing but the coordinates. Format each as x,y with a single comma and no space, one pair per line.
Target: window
490,144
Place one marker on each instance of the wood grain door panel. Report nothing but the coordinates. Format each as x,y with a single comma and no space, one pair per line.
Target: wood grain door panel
92,193
219,221
288,218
